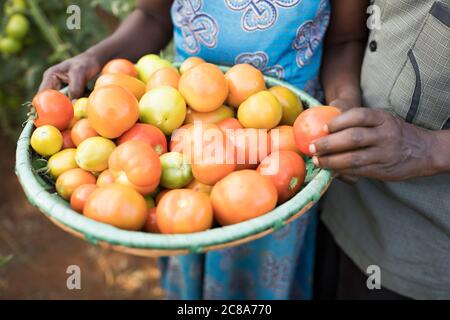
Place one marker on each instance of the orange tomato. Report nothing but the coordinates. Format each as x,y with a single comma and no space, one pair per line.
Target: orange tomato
105,178
242,195
67,139
151,135
286,170
199,187
190,63
112,110
71,179
215,116
135,164
217,159
117,205
167,76
243,80
282,138
261,111
134,85
52,108
310,124
120,66
81,131
80,195
252,146
184,211
230,123
150,224
204,87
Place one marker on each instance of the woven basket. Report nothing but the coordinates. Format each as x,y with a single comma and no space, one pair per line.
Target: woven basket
41,194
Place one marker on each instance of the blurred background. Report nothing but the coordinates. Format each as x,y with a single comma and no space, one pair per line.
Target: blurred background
34,254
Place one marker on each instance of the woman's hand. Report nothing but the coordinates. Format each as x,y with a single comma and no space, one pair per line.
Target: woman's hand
372,143
76,72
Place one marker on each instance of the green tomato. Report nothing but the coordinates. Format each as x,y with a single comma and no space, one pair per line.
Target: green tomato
163,107
18,26
149,64
14,6
10,45
150,201
176,170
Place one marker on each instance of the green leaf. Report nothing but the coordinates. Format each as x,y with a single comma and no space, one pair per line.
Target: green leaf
4,260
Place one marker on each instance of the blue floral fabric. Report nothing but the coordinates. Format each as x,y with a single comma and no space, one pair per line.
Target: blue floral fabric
284,39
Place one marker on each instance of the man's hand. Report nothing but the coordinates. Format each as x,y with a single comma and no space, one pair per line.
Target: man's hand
372,143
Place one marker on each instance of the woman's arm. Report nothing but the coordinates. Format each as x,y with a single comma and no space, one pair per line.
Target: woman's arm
344,51
147,29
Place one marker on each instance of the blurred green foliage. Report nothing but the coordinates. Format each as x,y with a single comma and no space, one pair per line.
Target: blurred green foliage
47,41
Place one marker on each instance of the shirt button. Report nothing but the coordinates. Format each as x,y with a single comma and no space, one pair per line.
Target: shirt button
373,46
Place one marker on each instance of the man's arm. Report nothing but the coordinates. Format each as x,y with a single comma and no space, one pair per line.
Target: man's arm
344,51
146,30
365,142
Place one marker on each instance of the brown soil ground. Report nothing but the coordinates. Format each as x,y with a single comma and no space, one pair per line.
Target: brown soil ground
42,252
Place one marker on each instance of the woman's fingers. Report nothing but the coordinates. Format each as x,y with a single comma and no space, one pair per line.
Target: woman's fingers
345,140
77,83
50,80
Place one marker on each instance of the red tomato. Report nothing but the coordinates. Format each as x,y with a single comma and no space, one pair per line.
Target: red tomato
151,135
242,195
117,205
150,224
52,108
286,170
67,140
310,124
135,164
80,195
184,211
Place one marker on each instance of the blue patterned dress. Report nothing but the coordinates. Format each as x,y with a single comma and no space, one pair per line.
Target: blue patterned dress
284,39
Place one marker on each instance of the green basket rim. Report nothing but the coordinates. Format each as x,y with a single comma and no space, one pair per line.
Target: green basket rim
55,207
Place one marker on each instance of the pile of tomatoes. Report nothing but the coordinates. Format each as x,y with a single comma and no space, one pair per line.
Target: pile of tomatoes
168,150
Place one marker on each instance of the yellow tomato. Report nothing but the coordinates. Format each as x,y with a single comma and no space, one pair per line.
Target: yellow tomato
93,154
46,140
224,112
62,161
291,104
261,111
80,108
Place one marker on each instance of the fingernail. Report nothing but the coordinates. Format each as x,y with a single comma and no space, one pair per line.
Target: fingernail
315,161
325,128
312,148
